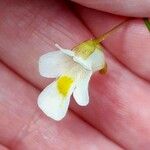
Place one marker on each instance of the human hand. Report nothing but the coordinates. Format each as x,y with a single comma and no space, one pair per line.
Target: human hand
118,116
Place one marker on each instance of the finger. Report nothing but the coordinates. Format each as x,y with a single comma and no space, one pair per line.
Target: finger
110,110
42,129
119,107
127,113
24,127
130,44
33,31
3,147
134,8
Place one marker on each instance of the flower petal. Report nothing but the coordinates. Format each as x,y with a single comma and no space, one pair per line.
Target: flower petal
52,100
80,93
65,51
94,62
98,60
86,63
53,64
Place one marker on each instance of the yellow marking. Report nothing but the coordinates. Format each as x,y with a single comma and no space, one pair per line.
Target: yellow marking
86,48
63,84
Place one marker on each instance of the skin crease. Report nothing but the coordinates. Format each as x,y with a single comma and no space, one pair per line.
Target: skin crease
134,8
119,107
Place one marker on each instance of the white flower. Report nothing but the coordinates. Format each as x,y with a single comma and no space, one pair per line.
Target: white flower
72,70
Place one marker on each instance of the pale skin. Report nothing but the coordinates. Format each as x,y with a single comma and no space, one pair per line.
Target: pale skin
118,116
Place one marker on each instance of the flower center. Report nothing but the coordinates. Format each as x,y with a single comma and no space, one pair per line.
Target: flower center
86,48
63,84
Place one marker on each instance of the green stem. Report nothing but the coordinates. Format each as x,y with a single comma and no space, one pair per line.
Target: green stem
147,23
106,34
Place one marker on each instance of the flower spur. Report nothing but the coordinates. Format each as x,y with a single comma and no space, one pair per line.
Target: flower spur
72,70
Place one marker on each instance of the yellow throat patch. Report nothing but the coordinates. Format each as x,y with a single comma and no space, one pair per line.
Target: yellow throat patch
63,84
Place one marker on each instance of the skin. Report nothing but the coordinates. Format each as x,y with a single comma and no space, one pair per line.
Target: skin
118,116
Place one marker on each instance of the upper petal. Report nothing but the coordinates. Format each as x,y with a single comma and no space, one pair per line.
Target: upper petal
81,93
94,62
53,64
54,100
88,54
98,60
65,51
